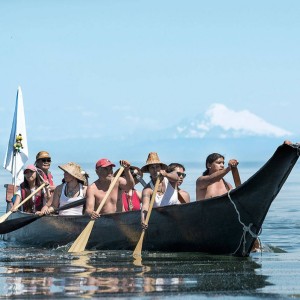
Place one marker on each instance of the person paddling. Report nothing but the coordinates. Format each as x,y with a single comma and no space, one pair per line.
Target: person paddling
97,190
131,198
183,196
73,188
31,182
166,193
212,183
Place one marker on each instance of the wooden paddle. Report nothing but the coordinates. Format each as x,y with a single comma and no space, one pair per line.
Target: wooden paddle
138,248
14,224
80,243
236,176
4,217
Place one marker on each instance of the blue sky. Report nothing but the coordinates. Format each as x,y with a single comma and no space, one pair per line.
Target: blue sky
96,71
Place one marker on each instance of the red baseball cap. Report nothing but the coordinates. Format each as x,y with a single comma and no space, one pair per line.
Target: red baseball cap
104,162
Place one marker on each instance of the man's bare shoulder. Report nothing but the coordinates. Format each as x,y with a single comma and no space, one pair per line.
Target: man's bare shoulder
201,177
92,187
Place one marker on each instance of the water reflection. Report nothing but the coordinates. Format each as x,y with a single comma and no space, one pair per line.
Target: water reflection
57,273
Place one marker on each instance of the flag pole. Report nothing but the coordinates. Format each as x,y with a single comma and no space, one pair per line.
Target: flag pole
17,149
14,181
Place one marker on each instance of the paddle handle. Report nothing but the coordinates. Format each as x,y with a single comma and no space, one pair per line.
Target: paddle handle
152,200
112,185
236,176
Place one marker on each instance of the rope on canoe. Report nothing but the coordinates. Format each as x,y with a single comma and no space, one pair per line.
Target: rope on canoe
245,228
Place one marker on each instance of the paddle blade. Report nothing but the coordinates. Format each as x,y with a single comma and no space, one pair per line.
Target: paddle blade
14,224
80,243
5,216
138,248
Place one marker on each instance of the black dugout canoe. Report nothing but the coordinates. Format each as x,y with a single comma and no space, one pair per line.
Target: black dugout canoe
222,225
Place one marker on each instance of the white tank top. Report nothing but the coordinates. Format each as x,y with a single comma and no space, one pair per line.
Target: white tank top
65,200
170,196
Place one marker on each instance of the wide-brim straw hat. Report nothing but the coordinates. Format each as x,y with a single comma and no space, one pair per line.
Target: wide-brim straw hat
152,160
132,168
75,170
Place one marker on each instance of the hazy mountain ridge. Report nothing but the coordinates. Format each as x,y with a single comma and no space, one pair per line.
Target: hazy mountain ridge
221,122
189,140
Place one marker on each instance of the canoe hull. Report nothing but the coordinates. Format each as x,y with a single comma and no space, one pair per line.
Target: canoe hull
221,225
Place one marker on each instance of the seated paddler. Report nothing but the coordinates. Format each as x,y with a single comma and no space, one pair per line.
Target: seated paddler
97,190
212,183
131,199
30,185
167,193
73,188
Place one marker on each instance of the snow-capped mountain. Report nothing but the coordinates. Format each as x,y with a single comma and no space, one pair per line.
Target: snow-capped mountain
222,122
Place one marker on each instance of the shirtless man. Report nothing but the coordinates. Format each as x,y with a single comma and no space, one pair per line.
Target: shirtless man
212,183
97,190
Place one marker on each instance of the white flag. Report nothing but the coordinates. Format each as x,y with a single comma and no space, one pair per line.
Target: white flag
17,149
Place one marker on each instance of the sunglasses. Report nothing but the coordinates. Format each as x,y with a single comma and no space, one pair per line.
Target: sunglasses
46,160
181,174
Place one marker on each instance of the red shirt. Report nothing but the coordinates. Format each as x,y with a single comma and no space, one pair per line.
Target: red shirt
131,202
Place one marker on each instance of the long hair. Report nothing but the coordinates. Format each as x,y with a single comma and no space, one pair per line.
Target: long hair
210,159
25,185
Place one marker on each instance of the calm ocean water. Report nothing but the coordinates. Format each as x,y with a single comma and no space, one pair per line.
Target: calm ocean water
54,273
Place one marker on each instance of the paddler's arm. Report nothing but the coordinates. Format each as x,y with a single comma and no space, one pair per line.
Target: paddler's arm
126,183
54,204
172,176
90,203
146,196
46,209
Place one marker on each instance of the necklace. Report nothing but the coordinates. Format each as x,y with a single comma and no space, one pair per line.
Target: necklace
71,193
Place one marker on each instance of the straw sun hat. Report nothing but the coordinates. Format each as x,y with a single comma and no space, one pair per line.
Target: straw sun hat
75,170
151,160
